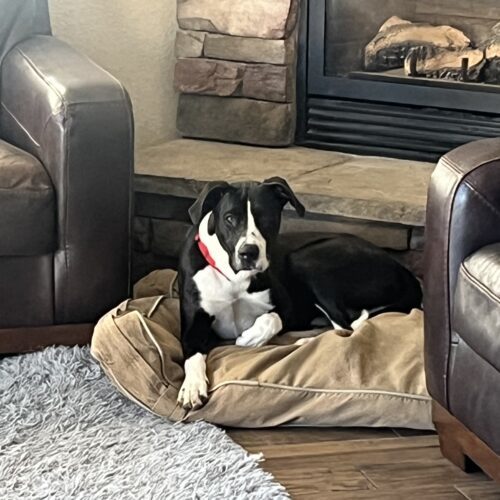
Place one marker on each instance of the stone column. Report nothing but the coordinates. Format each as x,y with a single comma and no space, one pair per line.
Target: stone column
236,70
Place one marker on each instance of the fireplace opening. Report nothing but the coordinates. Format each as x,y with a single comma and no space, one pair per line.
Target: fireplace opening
412,39
403,78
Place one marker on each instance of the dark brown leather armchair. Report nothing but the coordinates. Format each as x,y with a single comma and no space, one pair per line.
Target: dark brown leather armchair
462,304
66,162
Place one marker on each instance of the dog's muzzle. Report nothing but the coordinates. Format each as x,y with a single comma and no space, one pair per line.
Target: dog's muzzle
248,255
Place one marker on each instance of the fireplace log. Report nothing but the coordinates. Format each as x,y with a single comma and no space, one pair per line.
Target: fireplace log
492,43
492,54
493,49
434,62
397,36
492,71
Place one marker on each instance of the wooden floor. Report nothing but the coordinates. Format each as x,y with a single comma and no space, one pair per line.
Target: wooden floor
351,464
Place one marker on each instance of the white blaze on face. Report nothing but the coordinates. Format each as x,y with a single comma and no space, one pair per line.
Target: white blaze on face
253,237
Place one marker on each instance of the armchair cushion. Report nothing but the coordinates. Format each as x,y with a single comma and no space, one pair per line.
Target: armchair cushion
27,204
474,372
476,313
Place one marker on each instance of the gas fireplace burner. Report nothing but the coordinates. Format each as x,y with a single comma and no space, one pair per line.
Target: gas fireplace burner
402,78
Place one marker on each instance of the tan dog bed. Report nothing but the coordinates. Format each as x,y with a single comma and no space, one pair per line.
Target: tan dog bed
375,377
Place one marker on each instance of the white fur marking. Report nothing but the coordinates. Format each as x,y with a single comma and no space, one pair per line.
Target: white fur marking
194,390
305,336
226,296
235,310
363,317
263,330
304,341
253,237
334,325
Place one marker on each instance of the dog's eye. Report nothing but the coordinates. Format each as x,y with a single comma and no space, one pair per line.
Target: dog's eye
230,219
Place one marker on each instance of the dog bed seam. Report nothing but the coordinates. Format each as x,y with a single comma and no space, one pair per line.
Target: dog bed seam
366,392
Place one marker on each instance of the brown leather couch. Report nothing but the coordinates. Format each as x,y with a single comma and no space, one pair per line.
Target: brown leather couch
462,304
66,162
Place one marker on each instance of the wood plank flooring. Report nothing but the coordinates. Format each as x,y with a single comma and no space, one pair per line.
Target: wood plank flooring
359,464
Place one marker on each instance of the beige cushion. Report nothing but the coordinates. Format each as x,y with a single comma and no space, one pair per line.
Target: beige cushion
375,377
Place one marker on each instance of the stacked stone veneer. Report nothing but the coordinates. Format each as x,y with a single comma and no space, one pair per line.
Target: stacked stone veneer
235,70
379,199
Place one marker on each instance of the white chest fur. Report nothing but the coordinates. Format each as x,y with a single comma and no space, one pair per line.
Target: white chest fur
235,310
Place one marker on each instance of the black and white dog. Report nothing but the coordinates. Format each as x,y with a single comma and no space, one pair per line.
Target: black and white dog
240,280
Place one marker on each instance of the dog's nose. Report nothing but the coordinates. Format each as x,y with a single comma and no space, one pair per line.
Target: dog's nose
248,253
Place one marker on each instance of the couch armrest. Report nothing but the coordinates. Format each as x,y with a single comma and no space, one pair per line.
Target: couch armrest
77,119
463,215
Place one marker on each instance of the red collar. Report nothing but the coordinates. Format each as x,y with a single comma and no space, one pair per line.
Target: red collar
206,254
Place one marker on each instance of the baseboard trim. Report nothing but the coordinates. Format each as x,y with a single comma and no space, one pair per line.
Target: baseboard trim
29,339
461,446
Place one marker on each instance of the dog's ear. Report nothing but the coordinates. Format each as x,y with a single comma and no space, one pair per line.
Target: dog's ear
285,193
208,199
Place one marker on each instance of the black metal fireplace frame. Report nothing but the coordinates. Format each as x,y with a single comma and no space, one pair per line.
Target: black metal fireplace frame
420,119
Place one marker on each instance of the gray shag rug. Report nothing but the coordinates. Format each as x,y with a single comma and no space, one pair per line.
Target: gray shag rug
65,432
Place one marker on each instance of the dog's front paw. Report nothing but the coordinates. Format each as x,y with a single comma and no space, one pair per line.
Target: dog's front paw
262,331
248,339
193,393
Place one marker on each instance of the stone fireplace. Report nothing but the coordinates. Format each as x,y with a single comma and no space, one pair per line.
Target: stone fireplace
400,78
376,89
235,70
388,104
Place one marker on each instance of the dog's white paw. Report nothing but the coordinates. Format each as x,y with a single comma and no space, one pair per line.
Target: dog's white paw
262,331
193,394
363,317
194,391
304,341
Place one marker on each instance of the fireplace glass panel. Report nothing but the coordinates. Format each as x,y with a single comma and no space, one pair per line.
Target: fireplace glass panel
351,24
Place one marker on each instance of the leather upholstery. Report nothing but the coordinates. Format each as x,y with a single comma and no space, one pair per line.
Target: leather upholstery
475,371
26,291
21,19
462,285
27,204
476,308
76,119
473,389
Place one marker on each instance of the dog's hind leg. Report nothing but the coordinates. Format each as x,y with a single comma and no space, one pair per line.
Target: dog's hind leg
308,336
304,337
310,269
362,318
337,316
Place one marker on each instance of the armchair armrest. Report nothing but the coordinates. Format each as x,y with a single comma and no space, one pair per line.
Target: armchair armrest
77,119
463,215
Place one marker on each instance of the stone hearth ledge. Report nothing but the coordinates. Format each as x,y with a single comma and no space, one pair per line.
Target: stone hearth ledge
330,183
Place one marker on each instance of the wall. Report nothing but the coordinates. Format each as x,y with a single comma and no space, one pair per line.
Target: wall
134,41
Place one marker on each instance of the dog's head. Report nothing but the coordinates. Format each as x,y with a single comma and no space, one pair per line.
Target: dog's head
245,218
